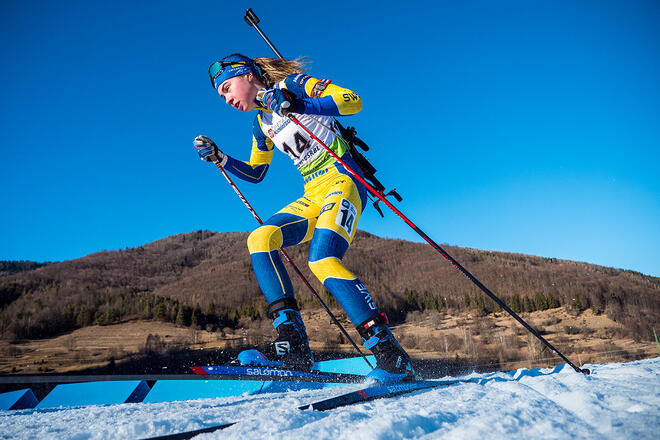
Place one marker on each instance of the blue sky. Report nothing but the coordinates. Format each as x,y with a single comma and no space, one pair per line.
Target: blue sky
512,126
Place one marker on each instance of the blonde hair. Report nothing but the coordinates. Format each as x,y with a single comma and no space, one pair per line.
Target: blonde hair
274,70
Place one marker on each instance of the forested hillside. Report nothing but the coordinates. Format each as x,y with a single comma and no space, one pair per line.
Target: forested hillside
205,279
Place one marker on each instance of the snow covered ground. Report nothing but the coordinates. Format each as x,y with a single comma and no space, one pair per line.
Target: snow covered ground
618,401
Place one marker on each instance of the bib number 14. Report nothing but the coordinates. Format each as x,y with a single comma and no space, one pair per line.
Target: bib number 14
346,216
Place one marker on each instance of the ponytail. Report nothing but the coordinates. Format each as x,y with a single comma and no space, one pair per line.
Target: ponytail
274,70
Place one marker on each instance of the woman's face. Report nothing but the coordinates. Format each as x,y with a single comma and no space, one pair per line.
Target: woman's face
240,92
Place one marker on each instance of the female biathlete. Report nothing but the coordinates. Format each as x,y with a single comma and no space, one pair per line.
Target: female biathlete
327,213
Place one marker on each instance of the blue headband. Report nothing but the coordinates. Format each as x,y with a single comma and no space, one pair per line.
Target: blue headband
231,66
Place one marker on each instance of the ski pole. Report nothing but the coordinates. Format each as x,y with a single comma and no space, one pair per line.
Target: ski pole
252,19
437,247
216,161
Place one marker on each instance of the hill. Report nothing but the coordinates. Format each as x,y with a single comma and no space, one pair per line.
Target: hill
12,267
204,280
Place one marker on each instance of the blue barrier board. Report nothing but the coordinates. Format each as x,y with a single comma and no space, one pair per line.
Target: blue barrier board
355,365
20,399
172,390
96,393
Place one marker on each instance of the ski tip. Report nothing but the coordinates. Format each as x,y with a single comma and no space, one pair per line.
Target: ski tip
198,370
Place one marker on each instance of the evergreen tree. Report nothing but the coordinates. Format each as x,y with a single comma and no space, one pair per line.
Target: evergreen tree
541,302
515,303
160,311
180,320
196,318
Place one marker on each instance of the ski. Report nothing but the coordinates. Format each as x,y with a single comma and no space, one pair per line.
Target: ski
190,434
279,376
276,373
377,392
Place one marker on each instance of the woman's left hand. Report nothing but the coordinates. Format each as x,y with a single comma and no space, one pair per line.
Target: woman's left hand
280,101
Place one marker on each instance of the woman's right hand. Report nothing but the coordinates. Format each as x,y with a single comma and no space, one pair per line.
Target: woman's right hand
208,150
279,100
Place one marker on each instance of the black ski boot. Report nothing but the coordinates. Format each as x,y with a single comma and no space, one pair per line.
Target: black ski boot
292,345
392,362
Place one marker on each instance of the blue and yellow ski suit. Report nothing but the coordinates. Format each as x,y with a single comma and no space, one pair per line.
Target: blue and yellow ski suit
328,211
